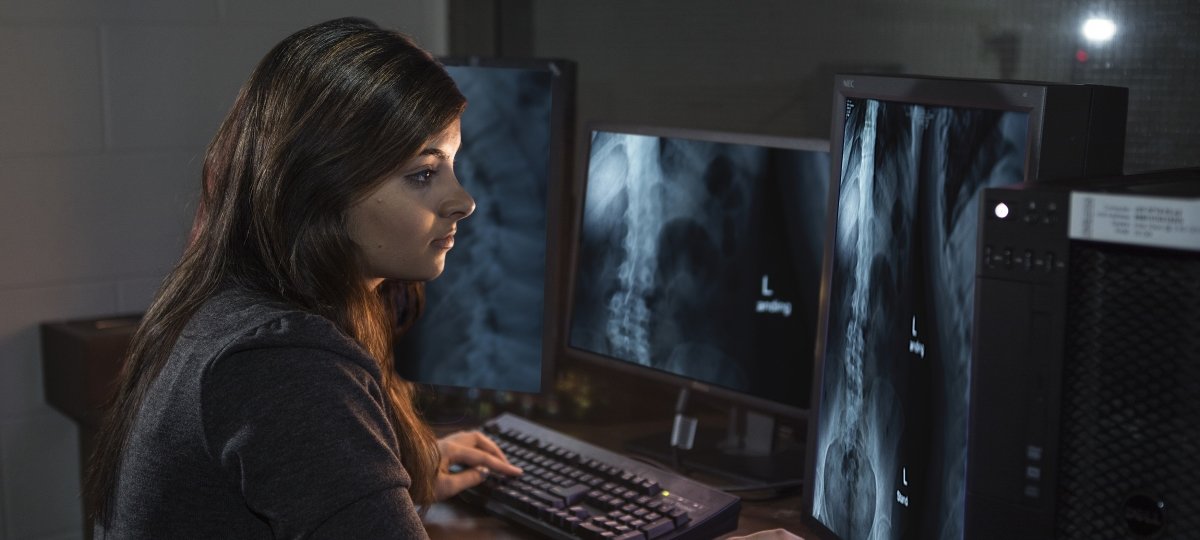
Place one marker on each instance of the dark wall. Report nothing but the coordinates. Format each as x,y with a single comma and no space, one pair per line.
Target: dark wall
766,66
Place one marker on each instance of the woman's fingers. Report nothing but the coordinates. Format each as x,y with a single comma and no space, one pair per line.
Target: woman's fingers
483,442
473,449
450,484
477,457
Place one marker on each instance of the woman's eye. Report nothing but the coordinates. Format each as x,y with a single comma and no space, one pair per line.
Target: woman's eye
423,176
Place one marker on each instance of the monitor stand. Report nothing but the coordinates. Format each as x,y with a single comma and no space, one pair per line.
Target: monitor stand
746,449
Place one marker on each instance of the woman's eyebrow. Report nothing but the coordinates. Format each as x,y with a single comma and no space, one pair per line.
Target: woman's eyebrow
435,152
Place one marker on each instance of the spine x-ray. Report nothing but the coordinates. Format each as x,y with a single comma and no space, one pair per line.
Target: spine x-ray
482,326
702,259
891,448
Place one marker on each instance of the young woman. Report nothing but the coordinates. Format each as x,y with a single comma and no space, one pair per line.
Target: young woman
259,398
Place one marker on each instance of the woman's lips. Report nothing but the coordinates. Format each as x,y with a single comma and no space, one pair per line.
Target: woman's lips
445,242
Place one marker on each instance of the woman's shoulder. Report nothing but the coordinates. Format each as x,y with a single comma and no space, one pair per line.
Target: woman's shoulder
237,322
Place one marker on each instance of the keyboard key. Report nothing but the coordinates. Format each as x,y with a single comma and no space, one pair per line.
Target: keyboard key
678,515
658,528
548,499
604,502
556,517
570,494
591,530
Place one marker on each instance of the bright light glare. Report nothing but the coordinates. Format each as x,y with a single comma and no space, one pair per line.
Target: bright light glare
1099,29
1001,210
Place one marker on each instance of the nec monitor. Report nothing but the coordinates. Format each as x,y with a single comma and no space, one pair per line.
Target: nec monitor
888,431
696,261
490,318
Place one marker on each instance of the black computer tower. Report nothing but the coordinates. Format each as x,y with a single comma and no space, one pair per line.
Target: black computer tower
1084,417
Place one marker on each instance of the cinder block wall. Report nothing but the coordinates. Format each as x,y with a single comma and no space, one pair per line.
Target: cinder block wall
105,110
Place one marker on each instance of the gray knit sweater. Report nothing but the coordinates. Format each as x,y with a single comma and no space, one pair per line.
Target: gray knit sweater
265,423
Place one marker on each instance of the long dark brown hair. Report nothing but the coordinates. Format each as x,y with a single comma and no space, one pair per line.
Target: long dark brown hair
326,116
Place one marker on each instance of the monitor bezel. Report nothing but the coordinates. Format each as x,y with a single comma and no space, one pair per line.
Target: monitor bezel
572,354
563,89
1017,96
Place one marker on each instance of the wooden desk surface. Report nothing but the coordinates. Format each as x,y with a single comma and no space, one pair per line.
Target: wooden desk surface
458,520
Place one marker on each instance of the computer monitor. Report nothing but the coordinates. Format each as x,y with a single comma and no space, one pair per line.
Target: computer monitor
490,318
911,156
697,262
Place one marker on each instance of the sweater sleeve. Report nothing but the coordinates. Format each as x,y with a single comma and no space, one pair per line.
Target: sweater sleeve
303,436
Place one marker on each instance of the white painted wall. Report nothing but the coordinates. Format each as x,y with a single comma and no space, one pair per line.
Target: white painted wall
105,109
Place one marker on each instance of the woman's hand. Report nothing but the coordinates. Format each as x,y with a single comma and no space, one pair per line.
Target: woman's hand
476,454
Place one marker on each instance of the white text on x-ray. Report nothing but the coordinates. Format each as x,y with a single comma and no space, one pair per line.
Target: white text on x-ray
772,306
900,497
914,346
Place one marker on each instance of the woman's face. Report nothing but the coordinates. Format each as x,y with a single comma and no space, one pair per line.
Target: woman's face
406,226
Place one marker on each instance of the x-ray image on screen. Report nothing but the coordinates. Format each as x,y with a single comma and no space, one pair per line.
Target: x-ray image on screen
891,444
482,325
702,259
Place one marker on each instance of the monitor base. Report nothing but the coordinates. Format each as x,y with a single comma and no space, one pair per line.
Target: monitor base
714,452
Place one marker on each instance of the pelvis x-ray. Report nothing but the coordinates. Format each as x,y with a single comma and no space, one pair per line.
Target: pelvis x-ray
891,448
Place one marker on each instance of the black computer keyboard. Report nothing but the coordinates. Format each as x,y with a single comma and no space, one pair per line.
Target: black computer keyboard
574,490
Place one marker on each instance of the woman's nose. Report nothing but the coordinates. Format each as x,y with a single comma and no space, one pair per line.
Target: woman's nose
459,204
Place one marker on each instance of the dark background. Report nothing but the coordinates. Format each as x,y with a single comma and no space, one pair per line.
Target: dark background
767,66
